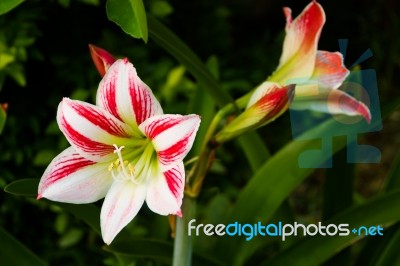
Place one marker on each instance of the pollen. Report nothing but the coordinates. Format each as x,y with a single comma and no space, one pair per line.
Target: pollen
113,165
124,170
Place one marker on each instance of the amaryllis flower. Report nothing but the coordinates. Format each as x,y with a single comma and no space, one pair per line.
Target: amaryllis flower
317,74
123,148
267,103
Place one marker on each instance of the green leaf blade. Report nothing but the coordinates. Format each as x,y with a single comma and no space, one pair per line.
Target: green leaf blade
88,213
13,252
8,5
381,210
280,175
140,15
130,15
24,187
154,249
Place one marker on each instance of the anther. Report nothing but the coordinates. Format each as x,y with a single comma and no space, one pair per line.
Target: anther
121,165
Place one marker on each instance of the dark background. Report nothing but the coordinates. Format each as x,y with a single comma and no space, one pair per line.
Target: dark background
246,36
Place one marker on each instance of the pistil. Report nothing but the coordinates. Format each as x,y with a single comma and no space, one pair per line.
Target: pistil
128,171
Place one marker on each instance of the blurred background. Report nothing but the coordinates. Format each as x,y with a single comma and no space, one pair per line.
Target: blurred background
44,56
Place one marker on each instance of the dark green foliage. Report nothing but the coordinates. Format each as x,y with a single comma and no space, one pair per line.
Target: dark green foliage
44,57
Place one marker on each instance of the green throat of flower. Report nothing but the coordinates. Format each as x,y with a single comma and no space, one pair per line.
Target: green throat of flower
135,165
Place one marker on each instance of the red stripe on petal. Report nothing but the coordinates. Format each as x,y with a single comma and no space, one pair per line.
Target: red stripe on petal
309,24
65,164
174,181
107,92
172,136
341,102
273,104
65,168
158,126
329,69
126,96
110,97
300,45
83,143
143,100
97,118
169,155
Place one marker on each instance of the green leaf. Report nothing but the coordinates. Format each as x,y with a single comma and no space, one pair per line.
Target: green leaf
254,149
91,2
3,117
70,238
393,177
143,248
130,15
16,71
89,213
8,5
178,49
13,252
5,59
332,204
204,105
44,157
154,249
380,210
373,249
160,8
278,177
390,255
24,187
334,182
174,78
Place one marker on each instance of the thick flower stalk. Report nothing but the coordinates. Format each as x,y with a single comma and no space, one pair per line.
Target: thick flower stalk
317,74
123,148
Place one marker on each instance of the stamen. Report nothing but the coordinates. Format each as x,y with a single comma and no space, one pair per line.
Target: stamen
121,165
111,166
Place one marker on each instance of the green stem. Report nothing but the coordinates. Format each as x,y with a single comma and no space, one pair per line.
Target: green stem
183,242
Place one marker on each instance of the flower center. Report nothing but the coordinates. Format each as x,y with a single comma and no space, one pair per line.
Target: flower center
125,170
139,163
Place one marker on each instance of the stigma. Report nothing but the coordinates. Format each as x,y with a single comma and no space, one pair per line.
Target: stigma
122,170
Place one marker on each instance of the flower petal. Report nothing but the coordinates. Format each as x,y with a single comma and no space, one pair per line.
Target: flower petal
333,102
121,204
74,179
172,136
267,103
165,191
123,94
262,90
300,44
101,58
91,130
271,105
329,70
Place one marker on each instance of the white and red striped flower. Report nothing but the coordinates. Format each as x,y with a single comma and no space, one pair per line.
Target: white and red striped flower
267,103
317,74
123,148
